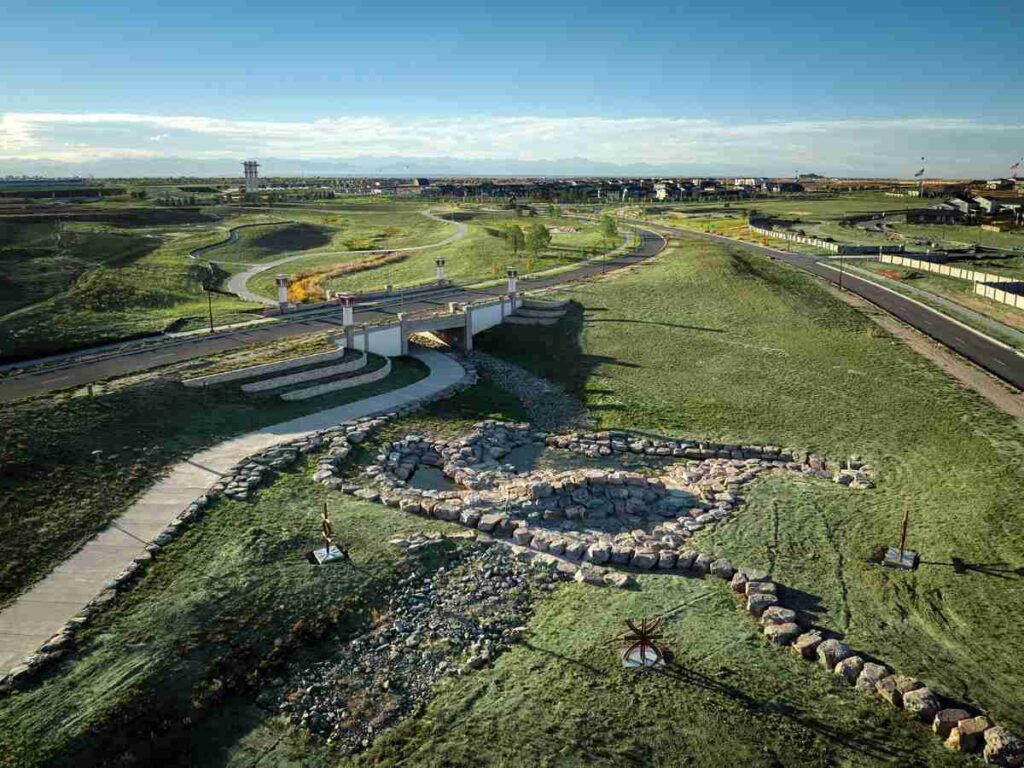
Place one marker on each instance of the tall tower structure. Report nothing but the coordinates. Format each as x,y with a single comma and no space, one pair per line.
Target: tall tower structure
252,181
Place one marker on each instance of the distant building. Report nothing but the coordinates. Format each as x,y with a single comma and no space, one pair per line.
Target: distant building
943,213
997,184
412,188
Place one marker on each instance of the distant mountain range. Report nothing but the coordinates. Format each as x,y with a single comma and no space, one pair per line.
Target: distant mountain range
357,166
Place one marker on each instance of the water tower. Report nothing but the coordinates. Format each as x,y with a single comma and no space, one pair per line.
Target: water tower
252,181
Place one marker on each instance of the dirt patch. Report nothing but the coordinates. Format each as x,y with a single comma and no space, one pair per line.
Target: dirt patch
989,387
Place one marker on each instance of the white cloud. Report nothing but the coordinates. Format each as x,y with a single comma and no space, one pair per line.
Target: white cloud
952,144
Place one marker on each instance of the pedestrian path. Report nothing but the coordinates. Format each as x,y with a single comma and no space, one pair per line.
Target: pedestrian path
39,613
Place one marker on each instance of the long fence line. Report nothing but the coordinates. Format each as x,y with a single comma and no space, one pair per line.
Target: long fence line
827,245
983,281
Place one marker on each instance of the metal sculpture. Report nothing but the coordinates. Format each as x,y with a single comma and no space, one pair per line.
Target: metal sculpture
644,639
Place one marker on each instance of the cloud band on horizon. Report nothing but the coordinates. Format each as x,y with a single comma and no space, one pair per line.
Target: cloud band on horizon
954,146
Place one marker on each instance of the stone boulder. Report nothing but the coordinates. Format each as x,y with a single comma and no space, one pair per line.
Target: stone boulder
702,564
776,614
966,735
684,559
870,675
757,604
850,668
946,719
892,688
1003,747
739,583
782,634
830,652
807,644
522,536
760,588
722,568
619,580
598,553
666,560
922,703
644,559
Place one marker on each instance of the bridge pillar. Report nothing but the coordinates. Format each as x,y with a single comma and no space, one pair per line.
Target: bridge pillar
468,330
347,301
282,292
404,333
512,273
441,278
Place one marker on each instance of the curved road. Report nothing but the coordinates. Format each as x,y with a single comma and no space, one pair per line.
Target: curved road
238,283
994,356
80,372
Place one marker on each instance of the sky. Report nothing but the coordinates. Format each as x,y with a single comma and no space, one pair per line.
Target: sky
673,87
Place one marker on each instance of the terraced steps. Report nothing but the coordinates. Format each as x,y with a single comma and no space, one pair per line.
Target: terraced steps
536,312
345,382
312,374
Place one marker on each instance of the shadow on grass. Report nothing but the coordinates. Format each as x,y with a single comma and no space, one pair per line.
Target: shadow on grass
997,570
853,741
654,322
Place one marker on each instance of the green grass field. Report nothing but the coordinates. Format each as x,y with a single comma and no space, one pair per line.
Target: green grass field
951,288
482,254
55,493
704,341
720,344
124,272
962,235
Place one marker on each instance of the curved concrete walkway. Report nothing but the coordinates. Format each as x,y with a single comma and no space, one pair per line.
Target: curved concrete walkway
35,616
239,282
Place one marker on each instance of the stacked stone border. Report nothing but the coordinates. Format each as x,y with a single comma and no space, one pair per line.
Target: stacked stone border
238,484
961,730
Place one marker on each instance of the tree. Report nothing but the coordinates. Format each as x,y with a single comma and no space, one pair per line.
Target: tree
537,238
514,235
609,229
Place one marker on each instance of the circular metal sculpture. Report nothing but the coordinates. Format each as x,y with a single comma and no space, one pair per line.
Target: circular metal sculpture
641,644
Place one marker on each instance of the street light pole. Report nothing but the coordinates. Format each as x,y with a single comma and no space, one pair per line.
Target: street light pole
209,296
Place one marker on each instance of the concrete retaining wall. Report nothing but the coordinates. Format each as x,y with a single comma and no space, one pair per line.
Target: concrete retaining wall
335,386
255,371
312,375
492,313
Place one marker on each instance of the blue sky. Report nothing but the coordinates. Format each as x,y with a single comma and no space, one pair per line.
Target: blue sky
846,88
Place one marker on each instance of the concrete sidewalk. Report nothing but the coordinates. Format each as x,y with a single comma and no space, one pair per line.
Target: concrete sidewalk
35,616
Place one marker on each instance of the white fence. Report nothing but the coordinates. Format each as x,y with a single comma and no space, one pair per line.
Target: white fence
827,245
1004,297
982,280
946,269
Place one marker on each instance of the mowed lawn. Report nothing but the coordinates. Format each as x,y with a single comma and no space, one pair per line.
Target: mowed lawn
714,343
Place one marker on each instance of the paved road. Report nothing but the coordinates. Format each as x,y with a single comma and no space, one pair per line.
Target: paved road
239,282
991,355
37,614
80,373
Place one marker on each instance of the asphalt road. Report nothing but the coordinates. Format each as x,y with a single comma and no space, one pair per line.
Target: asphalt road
998,359
78,373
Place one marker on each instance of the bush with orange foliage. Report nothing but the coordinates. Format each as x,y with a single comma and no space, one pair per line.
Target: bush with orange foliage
307,286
